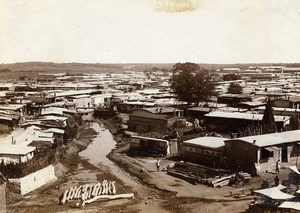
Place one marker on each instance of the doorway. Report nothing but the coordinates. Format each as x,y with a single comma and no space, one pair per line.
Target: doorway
284,154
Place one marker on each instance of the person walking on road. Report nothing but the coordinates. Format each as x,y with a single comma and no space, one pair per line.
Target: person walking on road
277,166
157,164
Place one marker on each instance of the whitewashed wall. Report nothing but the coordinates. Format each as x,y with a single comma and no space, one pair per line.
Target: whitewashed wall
35,180
83,102
99,99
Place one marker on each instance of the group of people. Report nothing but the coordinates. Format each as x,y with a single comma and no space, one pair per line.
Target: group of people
265,184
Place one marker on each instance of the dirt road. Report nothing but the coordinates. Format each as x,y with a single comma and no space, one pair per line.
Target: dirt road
154,191
75,170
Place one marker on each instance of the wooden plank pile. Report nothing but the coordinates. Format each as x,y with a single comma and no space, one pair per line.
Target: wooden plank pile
199,174
221,181
246,176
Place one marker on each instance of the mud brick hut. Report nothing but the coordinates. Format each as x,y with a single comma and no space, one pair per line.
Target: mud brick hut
157,119
207,151
149,146
235,121
287,102
260,153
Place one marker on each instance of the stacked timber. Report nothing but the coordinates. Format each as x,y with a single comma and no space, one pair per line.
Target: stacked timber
195,173
199,174
246,176
221,181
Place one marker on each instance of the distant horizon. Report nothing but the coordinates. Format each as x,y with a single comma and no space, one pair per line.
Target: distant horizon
112,63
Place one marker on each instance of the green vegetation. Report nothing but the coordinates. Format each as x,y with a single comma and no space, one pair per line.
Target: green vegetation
235,88
71,129
231,77
191,84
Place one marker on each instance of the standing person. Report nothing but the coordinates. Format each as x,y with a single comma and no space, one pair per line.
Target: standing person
157,164
276,180
277,166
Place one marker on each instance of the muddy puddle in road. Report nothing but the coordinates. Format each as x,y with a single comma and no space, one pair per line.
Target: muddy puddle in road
100,147
96,154
97,151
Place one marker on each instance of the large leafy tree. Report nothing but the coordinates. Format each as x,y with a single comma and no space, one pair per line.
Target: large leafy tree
71,129
191,84
235,88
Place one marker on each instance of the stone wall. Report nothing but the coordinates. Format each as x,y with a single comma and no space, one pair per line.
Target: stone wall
34,180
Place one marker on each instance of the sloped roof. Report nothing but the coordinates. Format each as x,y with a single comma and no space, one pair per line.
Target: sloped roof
235,96
11,106
294,169
294,99
211,142
6,118
243,116
52,117
290,205
74,92
274,193
253,103
87,110
23,138
139,103
80,96
55,130
16,149
275,109
149,115
151,139
53,110
159,110
271,139
199,109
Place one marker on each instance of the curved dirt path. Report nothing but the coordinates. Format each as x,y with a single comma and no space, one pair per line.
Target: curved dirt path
96,154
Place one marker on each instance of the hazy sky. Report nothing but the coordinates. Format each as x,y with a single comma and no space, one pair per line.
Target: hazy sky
109,31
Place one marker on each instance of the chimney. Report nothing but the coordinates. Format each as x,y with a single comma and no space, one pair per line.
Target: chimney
254,141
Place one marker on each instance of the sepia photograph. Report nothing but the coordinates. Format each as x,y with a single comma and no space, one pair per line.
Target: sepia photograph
150,106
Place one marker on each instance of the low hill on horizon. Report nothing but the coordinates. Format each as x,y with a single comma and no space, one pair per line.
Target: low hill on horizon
117,67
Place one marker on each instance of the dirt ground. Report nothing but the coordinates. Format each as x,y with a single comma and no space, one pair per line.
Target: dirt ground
154,191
